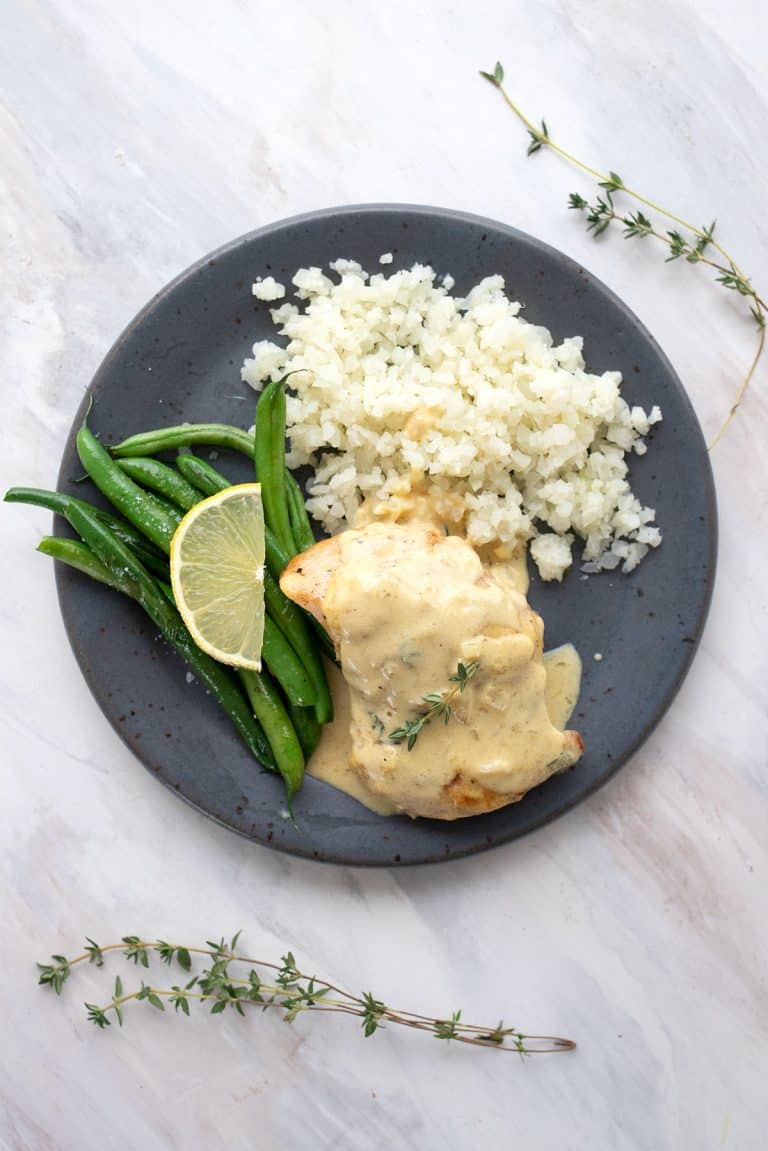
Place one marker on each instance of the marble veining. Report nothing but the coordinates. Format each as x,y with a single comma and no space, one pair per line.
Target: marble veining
137,137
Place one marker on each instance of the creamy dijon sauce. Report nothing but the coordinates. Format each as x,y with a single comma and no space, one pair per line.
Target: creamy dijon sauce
563,667
332,759
407,604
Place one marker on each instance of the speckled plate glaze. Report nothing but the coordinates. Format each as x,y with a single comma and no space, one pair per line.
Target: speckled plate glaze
180,360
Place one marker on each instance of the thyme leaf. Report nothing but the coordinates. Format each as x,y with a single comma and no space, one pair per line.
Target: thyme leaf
695,245
234,981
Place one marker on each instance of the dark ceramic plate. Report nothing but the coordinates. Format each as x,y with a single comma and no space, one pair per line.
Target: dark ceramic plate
180,360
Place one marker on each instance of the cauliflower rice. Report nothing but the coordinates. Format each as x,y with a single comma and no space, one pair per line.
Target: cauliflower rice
414,389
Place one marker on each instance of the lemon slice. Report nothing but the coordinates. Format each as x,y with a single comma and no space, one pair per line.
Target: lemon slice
217,575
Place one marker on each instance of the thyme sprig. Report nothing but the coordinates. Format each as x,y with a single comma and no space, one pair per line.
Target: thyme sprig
693,244
439,703
260,983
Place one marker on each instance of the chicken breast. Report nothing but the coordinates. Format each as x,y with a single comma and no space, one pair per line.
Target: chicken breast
306,579
407,607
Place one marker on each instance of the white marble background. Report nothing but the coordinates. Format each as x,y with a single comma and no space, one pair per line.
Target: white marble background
134,138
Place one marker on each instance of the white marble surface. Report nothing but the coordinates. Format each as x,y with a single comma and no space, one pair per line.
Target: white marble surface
135,137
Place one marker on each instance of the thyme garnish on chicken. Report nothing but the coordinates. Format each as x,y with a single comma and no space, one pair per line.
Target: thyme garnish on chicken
439,704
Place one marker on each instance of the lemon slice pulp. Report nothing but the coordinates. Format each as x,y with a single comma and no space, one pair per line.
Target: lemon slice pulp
217,575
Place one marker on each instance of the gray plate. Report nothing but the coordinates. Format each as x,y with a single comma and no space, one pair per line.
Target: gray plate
180,360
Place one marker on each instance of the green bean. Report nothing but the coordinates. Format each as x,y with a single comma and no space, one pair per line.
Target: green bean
279,539
167,591
286,666
293,624
161,479
324,702
284,737
76,555
184,436
306,726
168,507
139,584
322,637
269,461
286,740
292,674
285,613
201,475
141,508
277,557
59,503
297,513
305,538
270,712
